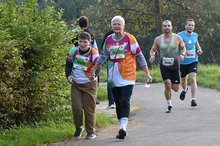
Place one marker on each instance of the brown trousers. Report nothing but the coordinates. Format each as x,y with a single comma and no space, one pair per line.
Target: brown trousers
84,101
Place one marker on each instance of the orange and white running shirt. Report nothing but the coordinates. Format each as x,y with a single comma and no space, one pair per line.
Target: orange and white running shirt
83,64
121,56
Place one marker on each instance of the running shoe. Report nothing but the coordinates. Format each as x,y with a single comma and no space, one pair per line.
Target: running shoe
121,134
169,108
193,103
183,94
90,136
78,132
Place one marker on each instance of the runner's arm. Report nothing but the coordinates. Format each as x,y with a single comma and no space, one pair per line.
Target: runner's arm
199,49
154,50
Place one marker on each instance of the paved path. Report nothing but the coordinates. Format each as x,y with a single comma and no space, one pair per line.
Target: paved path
151,126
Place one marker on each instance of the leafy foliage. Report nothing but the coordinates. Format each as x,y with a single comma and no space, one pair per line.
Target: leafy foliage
72,8
144,17
31,62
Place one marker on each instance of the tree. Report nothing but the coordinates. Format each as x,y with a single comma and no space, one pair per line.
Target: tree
72,8
144,17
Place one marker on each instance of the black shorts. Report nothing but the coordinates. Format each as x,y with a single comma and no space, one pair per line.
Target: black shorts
170,73
185,69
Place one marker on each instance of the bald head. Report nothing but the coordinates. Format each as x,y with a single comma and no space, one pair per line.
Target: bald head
167,27
167,22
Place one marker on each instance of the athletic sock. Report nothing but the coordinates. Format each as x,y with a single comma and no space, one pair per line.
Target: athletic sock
123,123
169,103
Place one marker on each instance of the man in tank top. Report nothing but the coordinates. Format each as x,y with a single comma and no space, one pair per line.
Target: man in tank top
169,45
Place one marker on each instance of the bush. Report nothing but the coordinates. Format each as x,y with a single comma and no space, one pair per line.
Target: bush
32,58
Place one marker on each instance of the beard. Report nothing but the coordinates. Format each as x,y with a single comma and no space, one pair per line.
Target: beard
167,31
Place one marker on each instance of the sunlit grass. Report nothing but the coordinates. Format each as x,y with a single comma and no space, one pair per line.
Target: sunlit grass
209,76
102,93
31,136
46,132
155,74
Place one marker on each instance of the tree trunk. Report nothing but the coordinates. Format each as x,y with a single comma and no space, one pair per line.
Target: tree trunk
158,17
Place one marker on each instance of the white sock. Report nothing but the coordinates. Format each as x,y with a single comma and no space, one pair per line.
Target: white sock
193,98
169,103
123,123
185,89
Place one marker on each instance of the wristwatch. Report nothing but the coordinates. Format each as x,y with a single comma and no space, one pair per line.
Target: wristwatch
183,54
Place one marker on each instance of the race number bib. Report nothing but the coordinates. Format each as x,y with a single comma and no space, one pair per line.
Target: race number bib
81,62
190,54
117,52
168,61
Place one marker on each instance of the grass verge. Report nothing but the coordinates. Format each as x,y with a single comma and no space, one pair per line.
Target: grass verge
44,133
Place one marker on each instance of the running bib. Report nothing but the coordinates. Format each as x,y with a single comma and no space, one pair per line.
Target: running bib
167,61
117,52
81,62
190,54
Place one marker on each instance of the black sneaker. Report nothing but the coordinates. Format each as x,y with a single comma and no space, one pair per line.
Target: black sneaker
78,132
121,134
169,108
193,103
183,94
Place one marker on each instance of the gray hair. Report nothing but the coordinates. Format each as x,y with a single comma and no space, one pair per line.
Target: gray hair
118,18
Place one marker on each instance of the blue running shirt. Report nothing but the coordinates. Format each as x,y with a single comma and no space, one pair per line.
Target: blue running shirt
190,43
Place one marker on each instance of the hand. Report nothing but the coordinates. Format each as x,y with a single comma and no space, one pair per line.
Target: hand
149,79
70,79
180,58
152,59
200,52
92,75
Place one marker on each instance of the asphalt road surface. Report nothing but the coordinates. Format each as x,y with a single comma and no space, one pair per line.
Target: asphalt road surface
151,126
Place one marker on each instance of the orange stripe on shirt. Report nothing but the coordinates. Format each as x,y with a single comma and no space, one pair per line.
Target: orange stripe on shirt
127,67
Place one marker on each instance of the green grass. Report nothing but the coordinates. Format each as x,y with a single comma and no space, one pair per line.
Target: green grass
209,76
103,74
102,94
103,120
46,132
31,136
155,74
